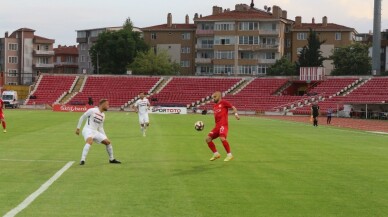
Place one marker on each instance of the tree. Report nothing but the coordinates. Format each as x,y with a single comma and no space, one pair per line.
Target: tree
311,55
352,60
149,63
114,51
282,67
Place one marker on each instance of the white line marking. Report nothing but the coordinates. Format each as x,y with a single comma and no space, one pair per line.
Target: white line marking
38,192
16,160
378,132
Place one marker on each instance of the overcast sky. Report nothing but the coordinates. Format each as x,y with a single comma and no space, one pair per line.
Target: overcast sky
59,19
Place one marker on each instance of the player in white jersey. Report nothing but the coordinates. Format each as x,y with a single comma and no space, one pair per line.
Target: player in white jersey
141,107
94,130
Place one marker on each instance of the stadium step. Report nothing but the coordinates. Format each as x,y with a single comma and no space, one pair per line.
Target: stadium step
242,85
74,90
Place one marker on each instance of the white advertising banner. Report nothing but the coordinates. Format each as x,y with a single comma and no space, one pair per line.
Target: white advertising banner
168,110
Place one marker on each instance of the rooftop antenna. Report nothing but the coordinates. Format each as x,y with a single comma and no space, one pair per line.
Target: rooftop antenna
252,4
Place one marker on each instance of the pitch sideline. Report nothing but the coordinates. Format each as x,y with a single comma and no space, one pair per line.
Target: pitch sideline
38,192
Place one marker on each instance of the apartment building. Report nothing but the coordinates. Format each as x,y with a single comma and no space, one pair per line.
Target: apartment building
24,55
244,41
333,34
177,39
66,59
85,39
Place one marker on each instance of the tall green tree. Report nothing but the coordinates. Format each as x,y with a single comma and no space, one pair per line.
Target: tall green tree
282,67
352,60
149,63
114,51
311,55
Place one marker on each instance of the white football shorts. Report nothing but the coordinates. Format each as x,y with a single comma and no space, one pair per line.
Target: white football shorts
96,135
143,118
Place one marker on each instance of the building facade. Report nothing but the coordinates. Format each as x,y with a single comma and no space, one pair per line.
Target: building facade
245,41
334,35
66,60
24,56
178,40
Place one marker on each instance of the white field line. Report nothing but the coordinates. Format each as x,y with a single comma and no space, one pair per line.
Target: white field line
38,192
16,160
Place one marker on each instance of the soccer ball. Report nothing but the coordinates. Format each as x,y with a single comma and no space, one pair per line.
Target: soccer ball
199,125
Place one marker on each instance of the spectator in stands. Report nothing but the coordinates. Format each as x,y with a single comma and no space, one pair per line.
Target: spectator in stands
204,111
90,101
315,114
329,114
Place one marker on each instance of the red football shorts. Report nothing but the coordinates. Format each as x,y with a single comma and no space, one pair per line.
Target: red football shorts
218,131
1,115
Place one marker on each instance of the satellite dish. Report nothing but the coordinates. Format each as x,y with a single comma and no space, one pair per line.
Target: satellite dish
265,7
269,9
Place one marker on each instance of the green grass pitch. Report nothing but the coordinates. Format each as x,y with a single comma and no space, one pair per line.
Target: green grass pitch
280,168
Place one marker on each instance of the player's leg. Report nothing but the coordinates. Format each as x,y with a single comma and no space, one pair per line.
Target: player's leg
2,120
225,143
141,122
109,148
146,123
85,150
209,140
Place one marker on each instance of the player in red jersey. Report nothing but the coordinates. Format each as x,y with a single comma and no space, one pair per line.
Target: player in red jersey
2,119
220,109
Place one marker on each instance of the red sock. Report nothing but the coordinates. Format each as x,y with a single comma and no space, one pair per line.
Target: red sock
3,123
226,146
212,146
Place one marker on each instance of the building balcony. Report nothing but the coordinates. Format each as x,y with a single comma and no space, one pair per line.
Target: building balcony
203,32
204,46
203,60
44,65
82,40
257,47
267,61
269,31
69,64
43,52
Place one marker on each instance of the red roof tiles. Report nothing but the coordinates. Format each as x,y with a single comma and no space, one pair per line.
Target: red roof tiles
173,27
306,26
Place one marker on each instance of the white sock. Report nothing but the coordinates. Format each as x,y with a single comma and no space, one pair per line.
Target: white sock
109,149
142,129
229,154
85,151
216,153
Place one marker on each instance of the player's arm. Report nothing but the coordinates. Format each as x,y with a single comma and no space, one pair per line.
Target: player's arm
135,107
81,120
235,113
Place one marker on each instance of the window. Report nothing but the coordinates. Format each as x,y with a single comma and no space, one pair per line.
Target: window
338,36
153,36
288,43
43,60
83,59
207,26
206,55
287,29
262,69
59,59
83,46
81,34
185,63
224,40
12,46
224,27
12,83
224,55
185,50
269,41
274,25
12,73
301,36
13,60
270,56
186,36
247,70
206,69
223,69
69,59
43,47
246,55
299,50
248,26
95,33
248,40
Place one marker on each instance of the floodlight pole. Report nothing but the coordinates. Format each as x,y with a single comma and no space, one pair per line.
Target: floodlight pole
376,53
